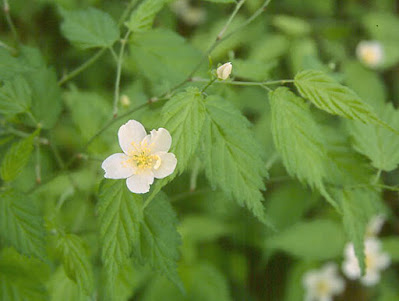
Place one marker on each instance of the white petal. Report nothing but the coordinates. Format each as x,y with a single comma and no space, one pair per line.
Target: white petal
167,165
370,279
383,261
130,136
117,167
140,183
160,140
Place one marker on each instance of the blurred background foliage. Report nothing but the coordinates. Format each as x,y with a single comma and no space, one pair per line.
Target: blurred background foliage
226,253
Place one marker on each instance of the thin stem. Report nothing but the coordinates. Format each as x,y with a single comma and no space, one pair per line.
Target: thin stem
232,16
377,177
38,168
9,48
242,83
118,73
126,12
208,85
82,67
115,56
112,121
256,14
32,118
6,8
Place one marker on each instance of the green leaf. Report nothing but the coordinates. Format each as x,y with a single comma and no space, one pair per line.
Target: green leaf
21,278
15,96
358,207
143,17
61,287
120,214
202,280
391,246
292,25
159,239
379,144
21,224
183,116
17,157
11,66
298,138
307,240
46,96
164,57
76,261
334,98
232,156
89,28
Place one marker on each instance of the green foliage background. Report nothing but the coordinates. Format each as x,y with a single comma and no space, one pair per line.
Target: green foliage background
278,167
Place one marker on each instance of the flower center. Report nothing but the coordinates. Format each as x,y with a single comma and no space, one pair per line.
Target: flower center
323,288
370,56
370,262
144,160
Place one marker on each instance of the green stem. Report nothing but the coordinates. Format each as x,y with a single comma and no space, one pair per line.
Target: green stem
208,85
38,169
377,177
118,73
242,83
32,118
82,67
231,18
6,8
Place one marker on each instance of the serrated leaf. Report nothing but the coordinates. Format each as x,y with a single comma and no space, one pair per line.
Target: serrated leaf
21,224
232,156
358,207
183,116
21,278
159,239
334,98
298,138
11,66
379,144
76,261
17,157
120,214
15,96
307,240
89,28
143,17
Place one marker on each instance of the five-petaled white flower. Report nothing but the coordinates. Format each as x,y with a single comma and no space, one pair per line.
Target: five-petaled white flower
145,157
376,261
323,284
370,53
224,71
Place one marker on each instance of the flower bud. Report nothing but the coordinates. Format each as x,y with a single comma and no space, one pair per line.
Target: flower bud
125,101
370,53
224,71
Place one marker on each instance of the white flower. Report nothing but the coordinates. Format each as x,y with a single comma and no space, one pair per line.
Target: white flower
376,261
189,14
144,157
323,284
370,53
224,71
375,225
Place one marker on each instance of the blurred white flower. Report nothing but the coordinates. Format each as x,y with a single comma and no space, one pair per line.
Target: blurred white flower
189,14
375,225
376,261
224,71
370,53
323,284
144,157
